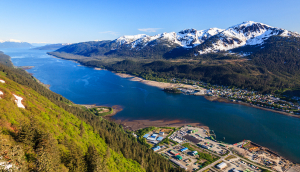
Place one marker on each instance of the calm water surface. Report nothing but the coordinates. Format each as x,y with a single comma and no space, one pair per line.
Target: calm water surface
235,122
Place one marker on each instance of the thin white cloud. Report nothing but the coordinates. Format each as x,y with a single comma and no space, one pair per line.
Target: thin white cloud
110,32
149,29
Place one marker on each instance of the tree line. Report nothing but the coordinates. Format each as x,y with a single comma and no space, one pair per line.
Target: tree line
76,160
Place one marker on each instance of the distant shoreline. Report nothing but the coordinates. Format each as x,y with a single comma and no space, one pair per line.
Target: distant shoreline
30,67
25,67
224,100
163,85
134,125
160,85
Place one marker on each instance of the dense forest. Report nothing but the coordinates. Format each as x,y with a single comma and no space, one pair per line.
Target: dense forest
108,48
271,66
53,134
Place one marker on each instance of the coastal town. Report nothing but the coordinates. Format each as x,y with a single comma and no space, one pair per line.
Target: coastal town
196,149
236,95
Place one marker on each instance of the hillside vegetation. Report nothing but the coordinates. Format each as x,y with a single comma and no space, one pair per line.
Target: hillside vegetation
53,134
5,59
52,138
271,66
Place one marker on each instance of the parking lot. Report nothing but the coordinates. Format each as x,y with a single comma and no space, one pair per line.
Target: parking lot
240,166
202,135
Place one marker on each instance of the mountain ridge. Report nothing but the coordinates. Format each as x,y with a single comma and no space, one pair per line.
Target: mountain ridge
238,56
13,43
52,46
160,45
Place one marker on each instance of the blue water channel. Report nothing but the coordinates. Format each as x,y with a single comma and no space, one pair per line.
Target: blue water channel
84,85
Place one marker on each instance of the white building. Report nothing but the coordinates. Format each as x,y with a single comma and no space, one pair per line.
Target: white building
222,165
161,133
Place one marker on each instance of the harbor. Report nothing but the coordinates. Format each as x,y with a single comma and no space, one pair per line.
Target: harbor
196,149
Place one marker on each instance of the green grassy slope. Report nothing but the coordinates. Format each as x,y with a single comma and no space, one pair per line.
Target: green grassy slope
51,123
101,145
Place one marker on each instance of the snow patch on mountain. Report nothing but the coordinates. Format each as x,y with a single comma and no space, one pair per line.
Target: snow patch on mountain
126,39
5,165
19,101
221,46
187,38
246,33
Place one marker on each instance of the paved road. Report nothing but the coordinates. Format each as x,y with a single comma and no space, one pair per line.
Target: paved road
222,158
260,166
215,163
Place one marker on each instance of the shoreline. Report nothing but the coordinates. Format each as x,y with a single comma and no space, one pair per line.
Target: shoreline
116,108
134,125
224,100
25,68
163,85
158,84
137,124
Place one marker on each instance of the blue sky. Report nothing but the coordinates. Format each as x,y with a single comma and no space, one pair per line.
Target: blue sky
70,21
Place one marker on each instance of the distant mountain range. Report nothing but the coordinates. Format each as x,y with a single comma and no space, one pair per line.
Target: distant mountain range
52,46
188,42
249,55
12,43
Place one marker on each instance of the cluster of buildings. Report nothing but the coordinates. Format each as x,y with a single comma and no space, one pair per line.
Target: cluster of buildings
240,95
154,138
178,136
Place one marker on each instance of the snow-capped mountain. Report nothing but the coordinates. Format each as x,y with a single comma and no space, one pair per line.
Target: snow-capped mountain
12,43
187,43
187,38
246,33
11,40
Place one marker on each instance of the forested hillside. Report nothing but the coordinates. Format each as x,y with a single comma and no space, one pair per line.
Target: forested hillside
5,59
53,134
268,67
